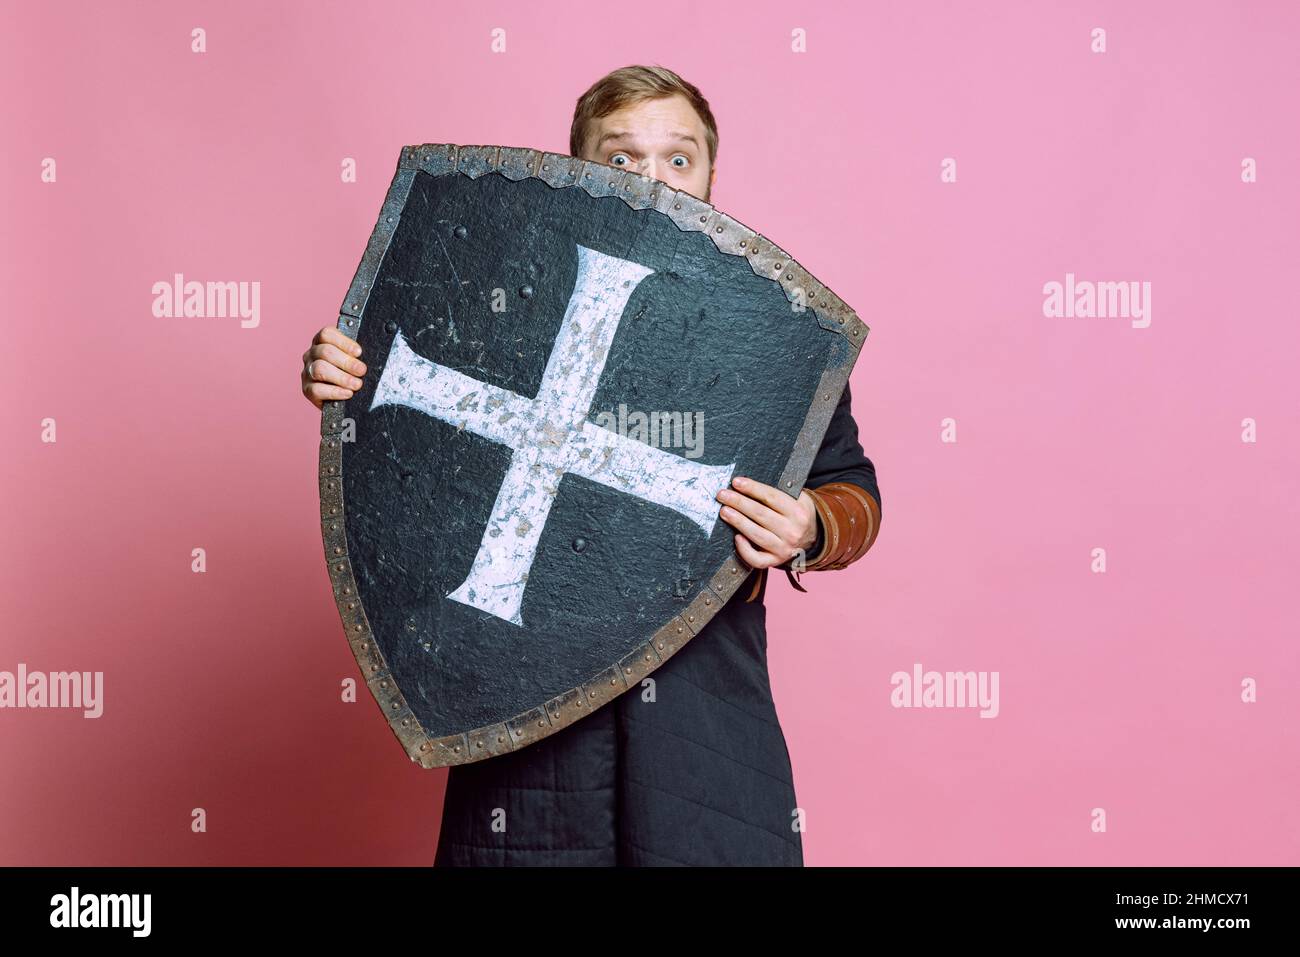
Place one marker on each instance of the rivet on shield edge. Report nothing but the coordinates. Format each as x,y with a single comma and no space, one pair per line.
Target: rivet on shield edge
688,618
545,166
718,230
394,706
677,205
788,484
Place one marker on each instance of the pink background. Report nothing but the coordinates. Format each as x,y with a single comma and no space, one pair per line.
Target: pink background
1119,691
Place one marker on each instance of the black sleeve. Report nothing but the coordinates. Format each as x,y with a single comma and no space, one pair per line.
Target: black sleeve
841,458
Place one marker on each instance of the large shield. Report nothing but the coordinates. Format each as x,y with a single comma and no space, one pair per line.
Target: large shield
565,363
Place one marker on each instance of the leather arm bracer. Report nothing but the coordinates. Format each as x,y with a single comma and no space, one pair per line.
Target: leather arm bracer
850,519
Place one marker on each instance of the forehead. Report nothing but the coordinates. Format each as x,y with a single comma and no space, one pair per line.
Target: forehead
660,120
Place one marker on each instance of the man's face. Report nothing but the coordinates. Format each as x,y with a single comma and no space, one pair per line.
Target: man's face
662,139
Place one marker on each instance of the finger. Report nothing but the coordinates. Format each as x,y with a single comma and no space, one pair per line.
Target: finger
337,357
769,495
333,336
756,533
752,556
322,370
755,509
320,392
319,370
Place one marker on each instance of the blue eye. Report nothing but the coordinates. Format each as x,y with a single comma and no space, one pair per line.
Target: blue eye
614,160
681,164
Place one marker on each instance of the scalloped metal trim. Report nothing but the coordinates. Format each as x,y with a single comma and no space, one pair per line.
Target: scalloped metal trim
639,192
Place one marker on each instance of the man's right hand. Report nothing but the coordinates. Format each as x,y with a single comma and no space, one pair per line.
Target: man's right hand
330,367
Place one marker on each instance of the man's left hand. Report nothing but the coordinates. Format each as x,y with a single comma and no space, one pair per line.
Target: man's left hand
772,527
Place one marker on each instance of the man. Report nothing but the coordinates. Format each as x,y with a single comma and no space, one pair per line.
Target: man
692,768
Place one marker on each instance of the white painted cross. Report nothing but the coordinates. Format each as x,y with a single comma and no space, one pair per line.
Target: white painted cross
550,435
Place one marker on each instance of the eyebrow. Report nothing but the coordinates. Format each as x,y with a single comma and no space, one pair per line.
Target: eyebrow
619,134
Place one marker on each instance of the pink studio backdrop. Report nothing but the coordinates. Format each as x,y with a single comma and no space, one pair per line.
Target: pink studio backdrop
1119,690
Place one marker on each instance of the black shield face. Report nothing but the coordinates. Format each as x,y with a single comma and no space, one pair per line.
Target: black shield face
565,363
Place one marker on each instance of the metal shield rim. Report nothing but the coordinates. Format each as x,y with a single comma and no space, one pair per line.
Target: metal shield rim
640,192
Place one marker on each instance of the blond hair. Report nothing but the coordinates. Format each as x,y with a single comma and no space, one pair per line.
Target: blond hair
633,84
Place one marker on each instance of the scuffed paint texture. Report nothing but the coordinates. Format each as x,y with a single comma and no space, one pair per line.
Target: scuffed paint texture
550,436
613,561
